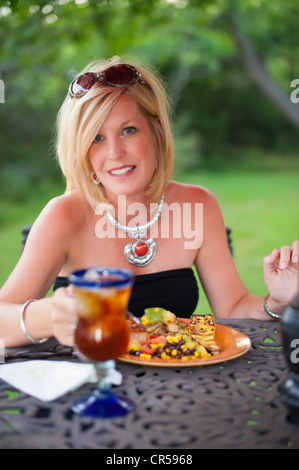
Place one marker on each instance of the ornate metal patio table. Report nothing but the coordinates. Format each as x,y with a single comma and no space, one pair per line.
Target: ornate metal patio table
235,404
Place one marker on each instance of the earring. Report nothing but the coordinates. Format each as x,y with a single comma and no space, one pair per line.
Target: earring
94,178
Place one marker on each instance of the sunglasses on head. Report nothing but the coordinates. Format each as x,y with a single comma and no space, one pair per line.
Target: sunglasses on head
117,75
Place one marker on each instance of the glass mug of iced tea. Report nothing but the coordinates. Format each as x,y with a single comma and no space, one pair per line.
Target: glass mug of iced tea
102,333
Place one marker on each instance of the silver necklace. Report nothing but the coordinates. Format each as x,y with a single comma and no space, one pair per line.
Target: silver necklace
141,252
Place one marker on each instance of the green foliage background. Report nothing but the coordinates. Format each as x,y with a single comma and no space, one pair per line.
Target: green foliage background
221,118
223,123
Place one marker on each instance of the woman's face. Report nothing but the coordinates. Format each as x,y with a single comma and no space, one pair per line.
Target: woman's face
124,152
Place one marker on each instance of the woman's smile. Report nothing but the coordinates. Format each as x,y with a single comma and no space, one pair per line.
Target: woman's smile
122,171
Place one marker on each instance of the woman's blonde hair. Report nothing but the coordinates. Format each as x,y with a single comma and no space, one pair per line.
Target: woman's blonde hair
79,121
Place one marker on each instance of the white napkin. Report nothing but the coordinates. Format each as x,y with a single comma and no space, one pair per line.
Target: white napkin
48,380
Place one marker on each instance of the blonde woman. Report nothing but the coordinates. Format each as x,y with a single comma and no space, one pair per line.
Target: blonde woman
121,208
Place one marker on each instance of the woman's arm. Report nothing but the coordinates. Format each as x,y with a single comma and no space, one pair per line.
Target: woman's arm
44,254
223,286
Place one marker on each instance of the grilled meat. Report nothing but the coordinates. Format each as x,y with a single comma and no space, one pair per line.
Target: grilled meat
136,331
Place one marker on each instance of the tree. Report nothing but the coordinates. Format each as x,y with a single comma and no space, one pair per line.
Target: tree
219,57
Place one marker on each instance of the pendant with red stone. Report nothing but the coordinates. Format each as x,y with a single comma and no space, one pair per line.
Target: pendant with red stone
141,249
141,252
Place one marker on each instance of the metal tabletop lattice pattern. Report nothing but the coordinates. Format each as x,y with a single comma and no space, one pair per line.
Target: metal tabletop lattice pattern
236,404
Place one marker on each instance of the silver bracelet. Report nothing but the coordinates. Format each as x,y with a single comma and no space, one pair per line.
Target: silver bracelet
268,311
34,341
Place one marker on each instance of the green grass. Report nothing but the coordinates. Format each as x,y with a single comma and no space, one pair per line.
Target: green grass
261,208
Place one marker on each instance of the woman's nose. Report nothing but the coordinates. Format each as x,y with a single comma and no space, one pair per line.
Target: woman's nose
116,149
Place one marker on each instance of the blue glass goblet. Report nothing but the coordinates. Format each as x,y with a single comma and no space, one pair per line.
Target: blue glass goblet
102,334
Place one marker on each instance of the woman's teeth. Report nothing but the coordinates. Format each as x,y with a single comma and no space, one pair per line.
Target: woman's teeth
122,171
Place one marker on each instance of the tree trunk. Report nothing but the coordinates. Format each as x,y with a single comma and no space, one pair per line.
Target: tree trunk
262,79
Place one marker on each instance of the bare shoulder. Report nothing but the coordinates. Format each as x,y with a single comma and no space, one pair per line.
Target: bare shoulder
47,247
182,192
195,194
65,213
69,207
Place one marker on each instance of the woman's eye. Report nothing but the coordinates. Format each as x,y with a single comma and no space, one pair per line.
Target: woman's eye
129,130
98,138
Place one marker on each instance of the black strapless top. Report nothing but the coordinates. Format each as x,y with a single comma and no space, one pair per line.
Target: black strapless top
175,290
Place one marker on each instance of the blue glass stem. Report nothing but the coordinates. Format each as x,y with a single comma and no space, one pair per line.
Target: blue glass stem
103,403
104,372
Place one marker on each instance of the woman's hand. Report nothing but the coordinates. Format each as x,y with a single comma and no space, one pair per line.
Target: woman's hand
64,315
281,274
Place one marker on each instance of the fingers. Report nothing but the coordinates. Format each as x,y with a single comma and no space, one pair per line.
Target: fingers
64,315
270,259
282,258
285,256
289,255
295,251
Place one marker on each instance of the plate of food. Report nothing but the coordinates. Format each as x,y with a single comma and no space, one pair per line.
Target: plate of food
164,340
